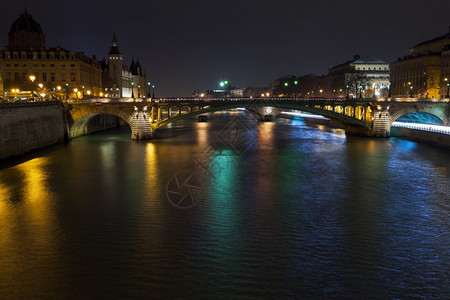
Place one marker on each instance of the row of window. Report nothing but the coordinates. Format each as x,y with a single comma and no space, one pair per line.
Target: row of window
35,55
37,65
374,69
43,76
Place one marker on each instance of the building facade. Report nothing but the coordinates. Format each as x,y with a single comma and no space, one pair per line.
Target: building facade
360,77
422,73
119,80
445,72
28,69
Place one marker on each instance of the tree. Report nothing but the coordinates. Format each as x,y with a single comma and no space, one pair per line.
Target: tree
354,82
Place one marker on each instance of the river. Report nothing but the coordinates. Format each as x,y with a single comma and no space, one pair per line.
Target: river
228,209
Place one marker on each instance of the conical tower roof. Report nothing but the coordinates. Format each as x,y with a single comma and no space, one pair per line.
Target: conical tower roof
114,48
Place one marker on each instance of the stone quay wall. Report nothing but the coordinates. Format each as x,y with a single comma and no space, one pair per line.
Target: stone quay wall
29,126
438,139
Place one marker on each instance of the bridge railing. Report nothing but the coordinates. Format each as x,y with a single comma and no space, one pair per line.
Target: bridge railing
233,99
236,99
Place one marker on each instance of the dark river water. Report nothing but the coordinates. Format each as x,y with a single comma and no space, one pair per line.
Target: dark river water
228,209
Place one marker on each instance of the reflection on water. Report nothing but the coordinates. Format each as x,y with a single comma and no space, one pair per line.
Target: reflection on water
300,211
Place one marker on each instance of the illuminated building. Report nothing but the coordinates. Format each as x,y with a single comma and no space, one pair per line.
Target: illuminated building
362,76
119,80
419,73
57,72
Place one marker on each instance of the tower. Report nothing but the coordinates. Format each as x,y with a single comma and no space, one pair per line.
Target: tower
115,66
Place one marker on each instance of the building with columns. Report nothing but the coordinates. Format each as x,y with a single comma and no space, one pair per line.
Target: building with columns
28,69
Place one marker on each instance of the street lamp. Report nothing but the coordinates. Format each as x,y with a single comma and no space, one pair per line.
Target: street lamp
153,95
132,89
149,88
448,86
32,79
58,94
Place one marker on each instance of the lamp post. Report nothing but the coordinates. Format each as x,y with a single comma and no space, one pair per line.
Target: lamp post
153,95
132,89
149,87
32,78
67,92
41,92
448,86
59,92
389,92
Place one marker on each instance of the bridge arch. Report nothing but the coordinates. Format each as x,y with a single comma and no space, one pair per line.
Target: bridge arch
426,110
84,125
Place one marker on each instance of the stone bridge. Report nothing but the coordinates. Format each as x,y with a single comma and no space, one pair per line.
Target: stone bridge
368,117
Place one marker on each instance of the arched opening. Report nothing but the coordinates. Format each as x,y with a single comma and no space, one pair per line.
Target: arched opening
95,122
411,125
173,111
185,109
359,112
339,109
164,113
349,111
419,117
369,114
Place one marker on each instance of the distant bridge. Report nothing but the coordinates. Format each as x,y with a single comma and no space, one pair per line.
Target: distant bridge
368,117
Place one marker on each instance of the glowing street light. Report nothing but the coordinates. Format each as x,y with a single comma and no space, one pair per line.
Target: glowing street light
448,86
132,89
32,78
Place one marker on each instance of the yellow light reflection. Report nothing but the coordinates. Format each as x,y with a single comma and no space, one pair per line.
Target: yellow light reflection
35,179
202,134
265,135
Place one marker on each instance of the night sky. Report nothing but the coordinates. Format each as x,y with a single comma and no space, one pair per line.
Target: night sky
187,45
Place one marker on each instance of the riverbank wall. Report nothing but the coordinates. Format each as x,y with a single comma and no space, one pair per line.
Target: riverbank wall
437,139
29,126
